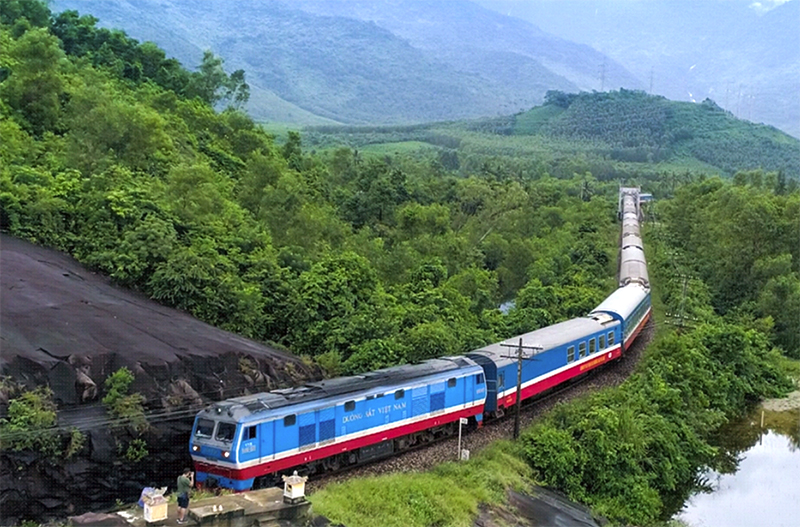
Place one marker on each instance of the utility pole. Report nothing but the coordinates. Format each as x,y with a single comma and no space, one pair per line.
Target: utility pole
534,350
738,100
680,318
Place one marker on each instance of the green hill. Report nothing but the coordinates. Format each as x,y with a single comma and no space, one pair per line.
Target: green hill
634,126
610,134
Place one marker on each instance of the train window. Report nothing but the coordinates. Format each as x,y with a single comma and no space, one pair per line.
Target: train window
370,397
570,353
451,383
399,394
582,349
349,406
379,395
225,432
479,378
592,348
501,380
205,428
289,420
610,338
602,342
250,432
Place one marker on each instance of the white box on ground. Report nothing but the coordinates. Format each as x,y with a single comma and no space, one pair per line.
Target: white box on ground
155,505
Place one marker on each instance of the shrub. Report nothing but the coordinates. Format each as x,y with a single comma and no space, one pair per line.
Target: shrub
128,408
31,423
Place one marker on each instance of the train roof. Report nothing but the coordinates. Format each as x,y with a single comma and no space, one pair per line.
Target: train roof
546,338
623,301
240,407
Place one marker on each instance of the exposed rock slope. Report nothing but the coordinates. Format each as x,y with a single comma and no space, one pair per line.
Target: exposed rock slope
64,326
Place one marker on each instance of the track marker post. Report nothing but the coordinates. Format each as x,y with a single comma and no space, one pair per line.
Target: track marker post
461,421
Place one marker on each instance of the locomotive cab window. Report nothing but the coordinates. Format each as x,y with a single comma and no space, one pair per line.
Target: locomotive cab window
250,432
451,382
225,432
602,341
205,428
399,394
582,349
501,380
570,353
479,378
610,338
592,349
289,420
349,406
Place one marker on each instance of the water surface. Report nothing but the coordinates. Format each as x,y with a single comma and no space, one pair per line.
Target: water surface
763,487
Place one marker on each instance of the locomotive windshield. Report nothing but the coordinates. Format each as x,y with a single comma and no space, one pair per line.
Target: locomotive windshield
225,432
205,428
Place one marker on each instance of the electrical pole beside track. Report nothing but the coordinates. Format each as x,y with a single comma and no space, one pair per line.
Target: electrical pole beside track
681,319
534,350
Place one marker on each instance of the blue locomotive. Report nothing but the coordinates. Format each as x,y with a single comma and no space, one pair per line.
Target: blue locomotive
249,441
328,424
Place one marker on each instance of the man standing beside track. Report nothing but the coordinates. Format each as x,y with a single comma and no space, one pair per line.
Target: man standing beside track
185,483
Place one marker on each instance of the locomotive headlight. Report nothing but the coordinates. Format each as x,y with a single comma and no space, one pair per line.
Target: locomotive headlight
195,448
226,454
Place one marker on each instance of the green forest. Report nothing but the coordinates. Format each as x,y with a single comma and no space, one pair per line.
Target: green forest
360,259
116,155
624,134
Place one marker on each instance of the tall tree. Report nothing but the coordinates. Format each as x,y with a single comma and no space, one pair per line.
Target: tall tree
35,84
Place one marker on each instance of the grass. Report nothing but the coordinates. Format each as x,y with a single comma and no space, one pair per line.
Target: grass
200,494
446,496
791,367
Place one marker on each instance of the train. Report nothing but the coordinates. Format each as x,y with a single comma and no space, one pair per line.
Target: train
248,442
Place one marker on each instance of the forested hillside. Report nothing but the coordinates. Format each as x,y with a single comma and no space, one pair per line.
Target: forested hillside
638,127
401,62
113,153
619,134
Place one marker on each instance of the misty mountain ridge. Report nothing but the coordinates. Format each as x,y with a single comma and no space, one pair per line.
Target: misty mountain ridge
312,62
744,57
315,65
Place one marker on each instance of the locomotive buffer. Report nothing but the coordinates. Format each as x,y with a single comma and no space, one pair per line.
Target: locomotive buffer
520,357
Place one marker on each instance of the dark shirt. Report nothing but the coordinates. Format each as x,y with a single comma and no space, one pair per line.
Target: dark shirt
184,484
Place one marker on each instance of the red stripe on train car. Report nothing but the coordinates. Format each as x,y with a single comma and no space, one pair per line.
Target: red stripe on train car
336,448
546,384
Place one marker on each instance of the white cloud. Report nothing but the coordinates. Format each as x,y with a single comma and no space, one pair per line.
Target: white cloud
766,5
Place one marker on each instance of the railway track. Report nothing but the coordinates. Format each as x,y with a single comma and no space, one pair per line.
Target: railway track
427,456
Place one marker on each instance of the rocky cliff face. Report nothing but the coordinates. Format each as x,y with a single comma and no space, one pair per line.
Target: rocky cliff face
65,327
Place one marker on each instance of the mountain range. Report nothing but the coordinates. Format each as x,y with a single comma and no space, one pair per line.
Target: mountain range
406,61
326,62
744,55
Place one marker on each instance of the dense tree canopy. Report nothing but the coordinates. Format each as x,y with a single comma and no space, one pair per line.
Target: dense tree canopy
115,153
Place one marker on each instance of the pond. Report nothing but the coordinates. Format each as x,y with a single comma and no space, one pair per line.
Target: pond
759,483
